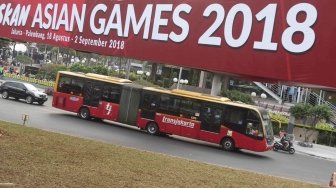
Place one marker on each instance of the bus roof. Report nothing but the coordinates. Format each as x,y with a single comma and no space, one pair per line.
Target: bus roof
190,94
97,77
204,97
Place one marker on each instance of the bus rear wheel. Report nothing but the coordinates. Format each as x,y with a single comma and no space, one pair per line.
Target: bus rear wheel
84,113
228,144
152,128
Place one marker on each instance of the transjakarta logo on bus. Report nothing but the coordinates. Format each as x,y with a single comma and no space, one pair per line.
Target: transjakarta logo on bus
178,122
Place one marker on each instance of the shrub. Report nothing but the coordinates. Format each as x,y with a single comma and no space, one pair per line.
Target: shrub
237,96
279,117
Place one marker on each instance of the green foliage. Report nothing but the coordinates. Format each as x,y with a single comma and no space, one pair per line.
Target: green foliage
312,115
77,67
279,117
324,126
321,112
315,113
237,96
4,43
100,69
132,76
167,82
49,71
146,83
24,59
301,111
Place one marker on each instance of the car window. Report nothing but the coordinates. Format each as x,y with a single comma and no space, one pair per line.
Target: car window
30,87
8,84
14,84
21,86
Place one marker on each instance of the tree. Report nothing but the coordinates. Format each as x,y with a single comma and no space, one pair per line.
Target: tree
311,116
24,59
4,43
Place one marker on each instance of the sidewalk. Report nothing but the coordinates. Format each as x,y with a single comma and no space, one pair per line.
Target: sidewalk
320,151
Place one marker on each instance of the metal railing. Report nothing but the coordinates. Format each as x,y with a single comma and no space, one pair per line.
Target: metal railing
282,95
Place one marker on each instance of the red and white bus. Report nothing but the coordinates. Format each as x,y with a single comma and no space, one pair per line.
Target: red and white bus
219,120
89,95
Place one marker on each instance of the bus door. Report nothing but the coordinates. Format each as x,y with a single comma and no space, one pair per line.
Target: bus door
211,121
245,123
254,130
169,117
92,95
109,104
149,104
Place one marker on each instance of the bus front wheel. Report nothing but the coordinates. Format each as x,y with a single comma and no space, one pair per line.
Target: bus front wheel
84,113
152,128
228,144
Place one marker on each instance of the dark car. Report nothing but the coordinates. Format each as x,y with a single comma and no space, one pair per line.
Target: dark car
21,90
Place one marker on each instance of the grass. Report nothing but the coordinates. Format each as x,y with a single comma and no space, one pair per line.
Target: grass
34,158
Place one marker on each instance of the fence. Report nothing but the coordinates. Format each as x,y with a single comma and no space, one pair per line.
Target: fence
31,80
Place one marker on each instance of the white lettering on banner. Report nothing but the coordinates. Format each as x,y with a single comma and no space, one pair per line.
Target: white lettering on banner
14,17
153,21
35,34
178,122
45,20
16,32
115,22
268,13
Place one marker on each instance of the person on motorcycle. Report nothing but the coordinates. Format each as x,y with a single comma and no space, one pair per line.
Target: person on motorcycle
284,141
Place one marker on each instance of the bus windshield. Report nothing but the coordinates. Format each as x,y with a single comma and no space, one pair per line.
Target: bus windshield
268,127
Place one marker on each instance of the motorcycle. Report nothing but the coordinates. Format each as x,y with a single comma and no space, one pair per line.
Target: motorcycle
279,146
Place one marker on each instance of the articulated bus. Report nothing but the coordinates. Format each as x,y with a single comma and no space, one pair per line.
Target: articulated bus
89,95
219,120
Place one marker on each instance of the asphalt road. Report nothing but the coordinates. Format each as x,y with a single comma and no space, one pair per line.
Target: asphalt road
298,166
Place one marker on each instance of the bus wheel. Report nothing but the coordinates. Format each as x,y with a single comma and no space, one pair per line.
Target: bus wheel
84,113
152,128
228,144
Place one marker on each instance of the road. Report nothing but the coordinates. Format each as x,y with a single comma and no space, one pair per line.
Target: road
298,166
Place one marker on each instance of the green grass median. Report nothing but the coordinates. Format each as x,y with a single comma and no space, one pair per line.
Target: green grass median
35,158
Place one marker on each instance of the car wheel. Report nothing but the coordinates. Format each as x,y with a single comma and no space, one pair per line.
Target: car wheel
41,102
228,144
5,95
84,113
152,128
29,99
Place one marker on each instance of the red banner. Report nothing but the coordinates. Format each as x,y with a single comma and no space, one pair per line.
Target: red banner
282,40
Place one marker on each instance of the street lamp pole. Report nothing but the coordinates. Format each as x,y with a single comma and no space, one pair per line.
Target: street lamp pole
179,78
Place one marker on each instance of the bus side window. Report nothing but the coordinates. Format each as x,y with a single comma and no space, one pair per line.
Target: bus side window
170,105
190,109
234,118
76,87
111,94
64,84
